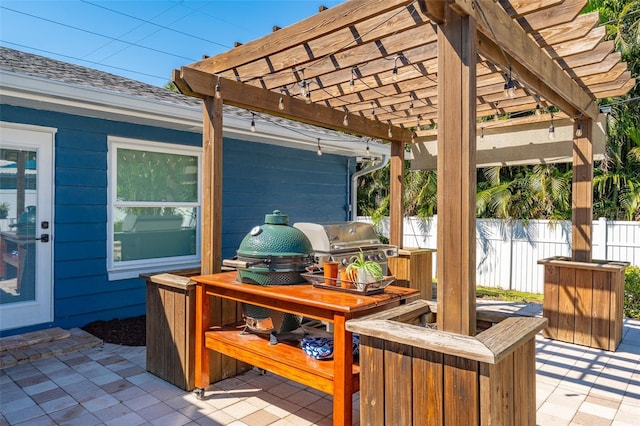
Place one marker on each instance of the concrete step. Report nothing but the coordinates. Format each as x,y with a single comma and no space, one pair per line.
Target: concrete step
43,344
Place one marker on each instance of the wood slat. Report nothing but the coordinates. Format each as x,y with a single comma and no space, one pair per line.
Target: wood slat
398,384
566,304
601,313
572,30
550,307
607,77
615,91
428,397
372,398
341,16
524,362
460,391
600,67
533,66
557,15
517,8
576,46
584,307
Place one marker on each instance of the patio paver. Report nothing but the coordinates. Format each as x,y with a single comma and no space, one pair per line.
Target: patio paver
109,385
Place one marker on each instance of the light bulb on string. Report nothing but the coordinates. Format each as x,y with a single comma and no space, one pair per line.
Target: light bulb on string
281,103
367,151
389,132
253,122
218,93
579,129
373,110
482,133
552,129
345,119
351,81
307,97
538,111
319,152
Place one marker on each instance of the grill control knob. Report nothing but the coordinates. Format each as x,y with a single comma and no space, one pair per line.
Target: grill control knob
345,262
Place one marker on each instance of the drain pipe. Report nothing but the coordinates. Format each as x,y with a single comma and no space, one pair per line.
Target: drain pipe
354,183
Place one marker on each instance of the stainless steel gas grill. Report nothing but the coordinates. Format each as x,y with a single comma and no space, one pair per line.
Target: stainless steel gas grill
341,241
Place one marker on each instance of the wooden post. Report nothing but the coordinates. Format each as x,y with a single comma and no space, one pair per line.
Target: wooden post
211,252
582,212
396,205
457,49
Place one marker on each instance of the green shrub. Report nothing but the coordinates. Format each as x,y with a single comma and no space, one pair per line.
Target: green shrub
632,292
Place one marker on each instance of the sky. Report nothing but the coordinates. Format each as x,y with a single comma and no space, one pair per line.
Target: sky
146,39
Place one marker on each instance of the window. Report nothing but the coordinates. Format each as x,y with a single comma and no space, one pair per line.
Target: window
154,203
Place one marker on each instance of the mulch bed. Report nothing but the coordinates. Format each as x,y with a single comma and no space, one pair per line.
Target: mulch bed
127,331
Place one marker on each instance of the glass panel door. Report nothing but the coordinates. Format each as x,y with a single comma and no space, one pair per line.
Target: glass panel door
25,227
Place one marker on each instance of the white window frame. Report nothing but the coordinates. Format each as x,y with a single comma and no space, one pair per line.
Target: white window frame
133,268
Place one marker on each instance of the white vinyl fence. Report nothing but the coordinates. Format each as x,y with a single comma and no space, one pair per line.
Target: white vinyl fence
507,252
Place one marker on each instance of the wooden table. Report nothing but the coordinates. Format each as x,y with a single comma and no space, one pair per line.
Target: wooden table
339,377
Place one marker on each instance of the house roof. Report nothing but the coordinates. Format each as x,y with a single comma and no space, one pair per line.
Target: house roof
39,82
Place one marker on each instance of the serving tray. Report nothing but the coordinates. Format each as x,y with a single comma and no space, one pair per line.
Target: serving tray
317,279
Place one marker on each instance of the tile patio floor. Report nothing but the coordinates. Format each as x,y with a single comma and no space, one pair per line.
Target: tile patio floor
109,385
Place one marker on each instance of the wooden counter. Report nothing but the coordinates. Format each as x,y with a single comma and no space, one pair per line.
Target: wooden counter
339,376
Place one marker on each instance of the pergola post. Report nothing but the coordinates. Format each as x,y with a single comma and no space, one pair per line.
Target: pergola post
396,191
457,50
582,189
211,245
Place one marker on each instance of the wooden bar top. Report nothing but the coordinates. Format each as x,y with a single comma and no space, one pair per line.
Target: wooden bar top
306,294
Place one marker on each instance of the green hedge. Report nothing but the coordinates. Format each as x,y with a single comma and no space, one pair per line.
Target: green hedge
632,292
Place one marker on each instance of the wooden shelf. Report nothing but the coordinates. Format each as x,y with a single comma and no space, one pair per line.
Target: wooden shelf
285,359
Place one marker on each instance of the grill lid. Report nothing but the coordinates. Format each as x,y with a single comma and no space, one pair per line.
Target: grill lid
275,238
341,236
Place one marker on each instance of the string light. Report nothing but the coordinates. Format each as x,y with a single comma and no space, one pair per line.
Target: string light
579,129
319,152
389,132
538,111
373,110
303,84
345,119
217,90
307,97
367,151
253,122
351,81
418,121
482,133
411,103
552,129
394,73
509,86
281,103
496,114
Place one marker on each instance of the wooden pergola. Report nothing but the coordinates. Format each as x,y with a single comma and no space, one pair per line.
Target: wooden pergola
395,70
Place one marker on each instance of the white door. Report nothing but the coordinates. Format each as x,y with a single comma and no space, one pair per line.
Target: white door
26,225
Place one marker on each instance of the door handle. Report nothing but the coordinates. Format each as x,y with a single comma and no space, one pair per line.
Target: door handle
43,238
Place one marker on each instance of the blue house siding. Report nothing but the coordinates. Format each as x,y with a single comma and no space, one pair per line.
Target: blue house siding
257,179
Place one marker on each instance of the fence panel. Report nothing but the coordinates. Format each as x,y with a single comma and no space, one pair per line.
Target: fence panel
507,252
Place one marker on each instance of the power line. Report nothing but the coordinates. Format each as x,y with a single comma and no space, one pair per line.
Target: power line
158,25
95,33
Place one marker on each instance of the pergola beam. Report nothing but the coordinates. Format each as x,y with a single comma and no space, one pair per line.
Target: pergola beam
534,67
338,17
265,101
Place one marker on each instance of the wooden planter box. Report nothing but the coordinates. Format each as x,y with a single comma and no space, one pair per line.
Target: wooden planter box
410,374
171,329
413,267
584,302
170,322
